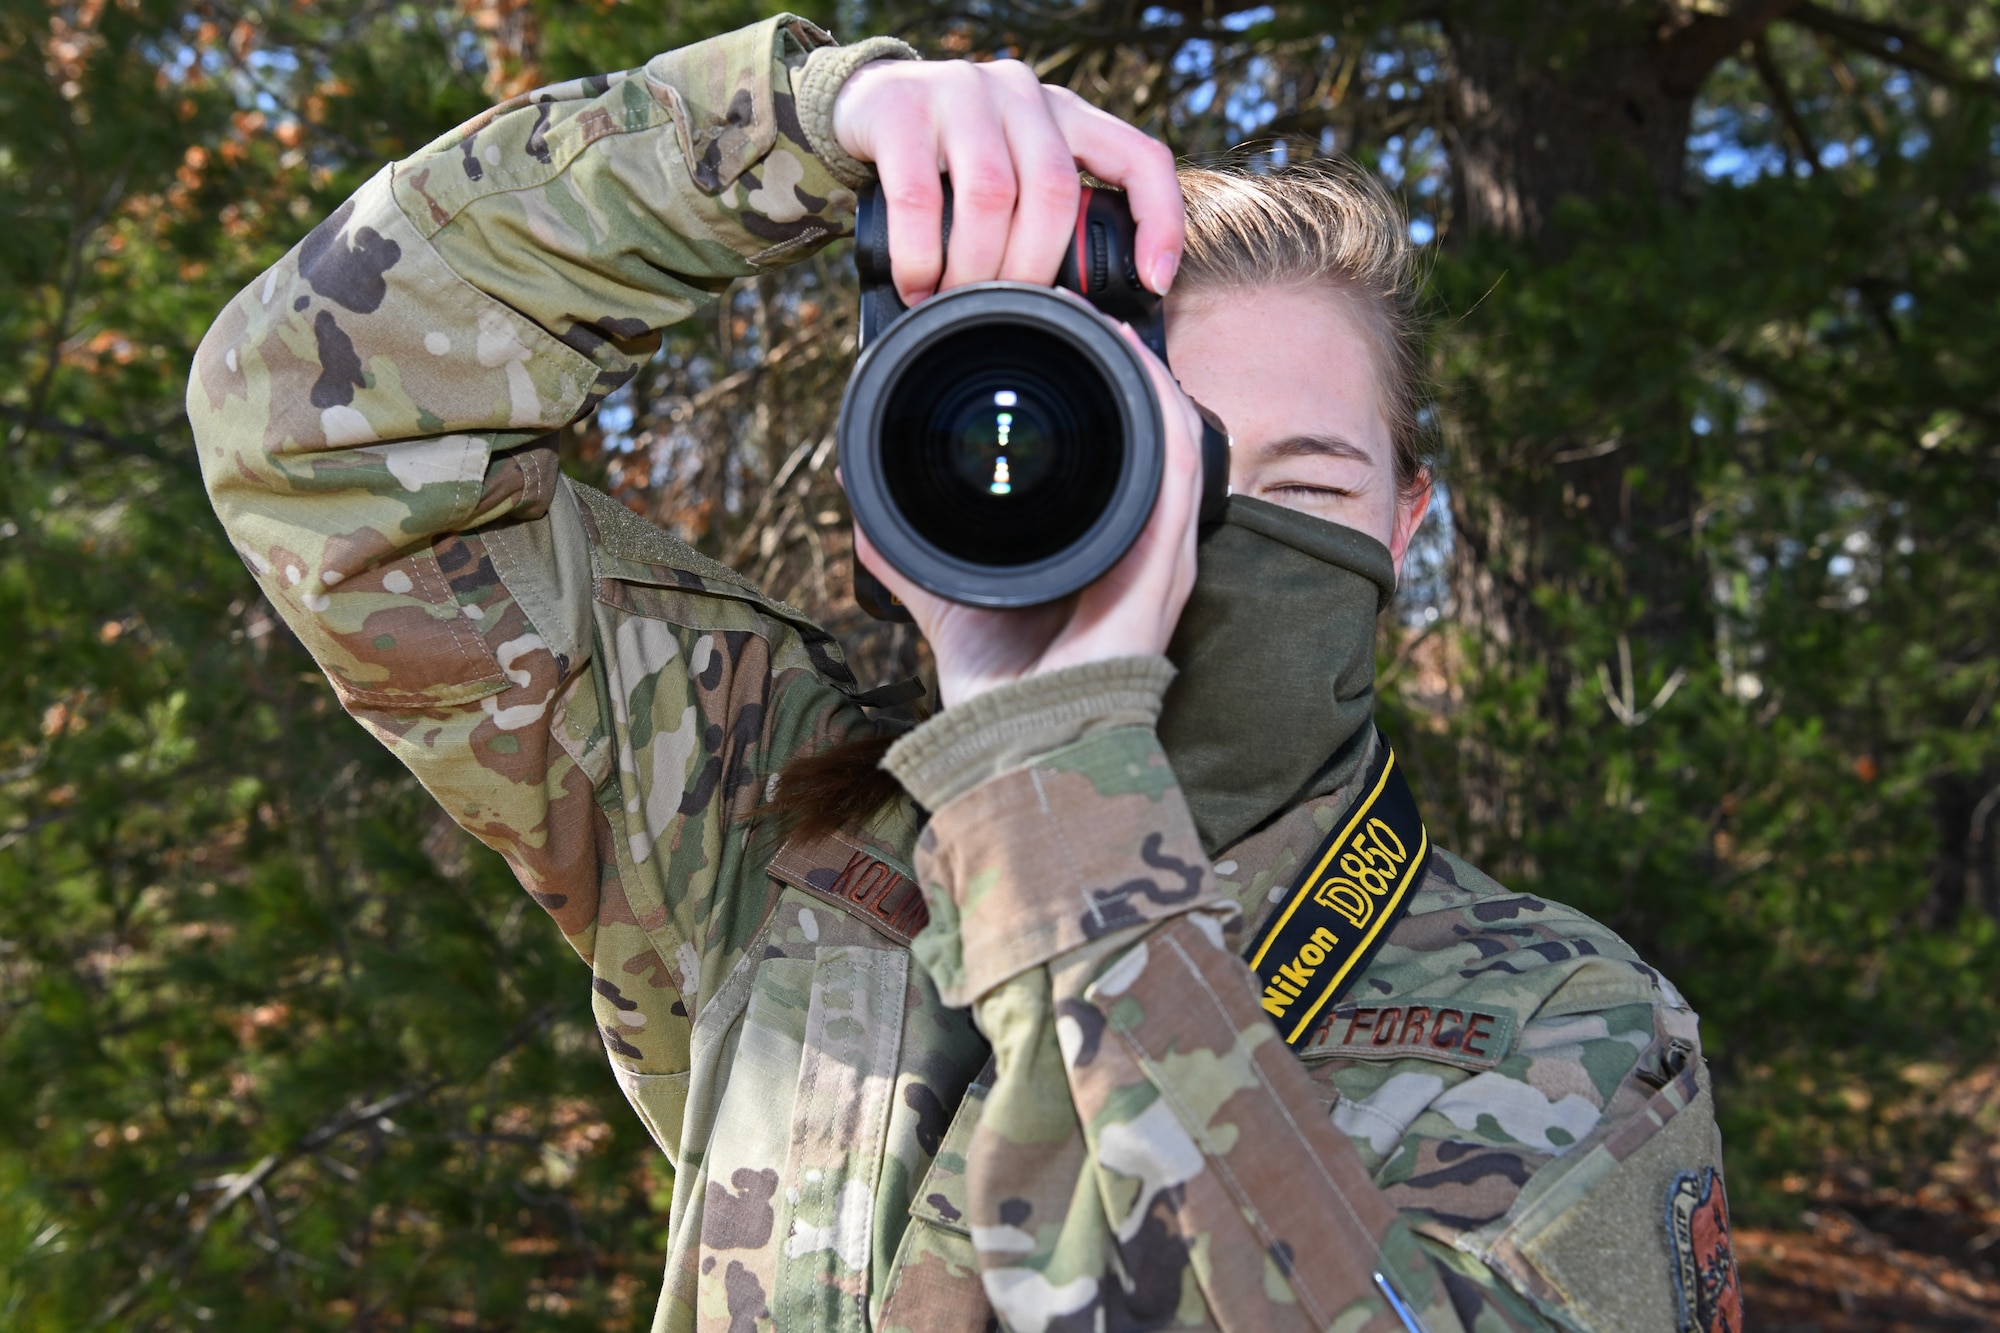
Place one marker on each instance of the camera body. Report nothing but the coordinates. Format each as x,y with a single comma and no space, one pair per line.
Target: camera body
1001,444
1100,266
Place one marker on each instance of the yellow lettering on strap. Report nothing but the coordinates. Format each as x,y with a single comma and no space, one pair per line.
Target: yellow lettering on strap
1339,913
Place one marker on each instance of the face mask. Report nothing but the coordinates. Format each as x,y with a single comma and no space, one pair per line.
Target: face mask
1276,652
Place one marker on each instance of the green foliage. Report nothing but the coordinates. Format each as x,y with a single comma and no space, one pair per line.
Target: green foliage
281,1049
1806,360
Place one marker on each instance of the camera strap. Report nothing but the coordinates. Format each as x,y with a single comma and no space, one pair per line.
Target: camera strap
1355,888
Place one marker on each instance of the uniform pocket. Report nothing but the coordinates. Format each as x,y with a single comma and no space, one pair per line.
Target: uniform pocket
793,1169
1551,1244
661,1101
840,1121
941,1199
934,1286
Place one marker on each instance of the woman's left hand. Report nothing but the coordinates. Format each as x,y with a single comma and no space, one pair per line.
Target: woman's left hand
1130,612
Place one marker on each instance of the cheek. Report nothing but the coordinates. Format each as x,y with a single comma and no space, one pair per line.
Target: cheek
1376,515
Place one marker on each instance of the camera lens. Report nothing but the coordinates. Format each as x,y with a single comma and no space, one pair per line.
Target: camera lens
1001,444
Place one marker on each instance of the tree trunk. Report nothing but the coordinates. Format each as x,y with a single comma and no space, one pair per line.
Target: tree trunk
1591,98
1588,100
1548,106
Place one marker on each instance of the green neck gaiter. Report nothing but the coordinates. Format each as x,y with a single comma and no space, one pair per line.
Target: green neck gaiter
1276,652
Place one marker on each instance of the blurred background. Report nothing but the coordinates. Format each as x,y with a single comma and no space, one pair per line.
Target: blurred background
1701,637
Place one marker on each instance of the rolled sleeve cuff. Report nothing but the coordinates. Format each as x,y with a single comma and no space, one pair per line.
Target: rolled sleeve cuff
818,82
1007,727
1084,842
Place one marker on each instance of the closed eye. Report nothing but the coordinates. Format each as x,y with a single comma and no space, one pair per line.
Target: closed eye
1304,489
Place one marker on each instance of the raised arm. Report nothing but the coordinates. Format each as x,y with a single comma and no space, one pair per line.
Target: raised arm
375,418
393,381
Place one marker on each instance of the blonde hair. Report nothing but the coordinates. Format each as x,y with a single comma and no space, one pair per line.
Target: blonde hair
1324,223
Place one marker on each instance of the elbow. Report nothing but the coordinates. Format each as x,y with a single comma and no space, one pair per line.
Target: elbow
218,392
230,396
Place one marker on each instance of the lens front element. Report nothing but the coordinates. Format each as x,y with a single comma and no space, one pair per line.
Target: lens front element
1001,445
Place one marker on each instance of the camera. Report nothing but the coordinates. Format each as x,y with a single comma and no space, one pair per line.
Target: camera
1001,444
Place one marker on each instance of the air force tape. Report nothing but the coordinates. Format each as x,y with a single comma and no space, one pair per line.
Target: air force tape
1355,887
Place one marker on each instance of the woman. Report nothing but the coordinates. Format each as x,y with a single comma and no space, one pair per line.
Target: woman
1499,1120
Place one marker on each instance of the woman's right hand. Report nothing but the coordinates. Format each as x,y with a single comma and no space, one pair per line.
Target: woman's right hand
1011,145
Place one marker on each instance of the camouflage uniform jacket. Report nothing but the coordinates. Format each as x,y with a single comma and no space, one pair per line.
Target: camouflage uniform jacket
1494,1121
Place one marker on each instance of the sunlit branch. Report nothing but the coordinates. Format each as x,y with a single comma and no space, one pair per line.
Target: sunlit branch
1892,45
1781,98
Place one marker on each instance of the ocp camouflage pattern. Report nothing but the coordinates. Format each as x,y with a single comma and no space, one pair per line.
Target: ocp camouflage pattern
608,710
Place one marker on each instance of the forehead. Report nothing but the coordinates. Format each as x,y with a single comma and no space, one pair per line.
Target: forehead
1279,363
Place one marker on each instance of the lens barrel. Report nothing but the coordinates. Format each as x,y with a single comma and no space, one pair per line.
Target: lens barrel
1001,445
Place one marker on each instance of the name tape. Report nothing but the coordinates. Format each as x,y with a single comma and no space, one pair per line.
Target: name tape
843,874
1472,1037
1335,918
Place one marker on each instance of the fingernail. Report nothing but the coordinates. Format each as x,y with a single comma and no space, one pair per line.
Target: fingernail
1164,269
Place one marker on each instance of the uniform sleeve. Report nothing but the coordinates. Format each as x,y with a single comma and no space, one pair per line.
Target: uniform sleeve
1149,1149
374,417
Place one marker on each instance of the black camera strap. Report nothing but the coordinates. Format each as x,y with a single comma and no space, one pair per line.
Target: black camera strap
1355,888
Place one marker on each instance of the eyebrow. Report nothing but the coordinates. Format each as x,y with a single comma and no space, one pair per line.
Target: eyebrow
1315,446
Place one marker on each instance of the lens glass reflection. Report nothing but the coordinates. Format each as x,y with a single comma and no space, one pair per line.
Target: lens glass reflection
1002,444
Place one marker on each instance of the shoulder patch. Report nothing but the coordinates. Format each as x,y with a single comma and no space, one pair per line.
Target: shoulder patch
1704,1261
1471,1036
